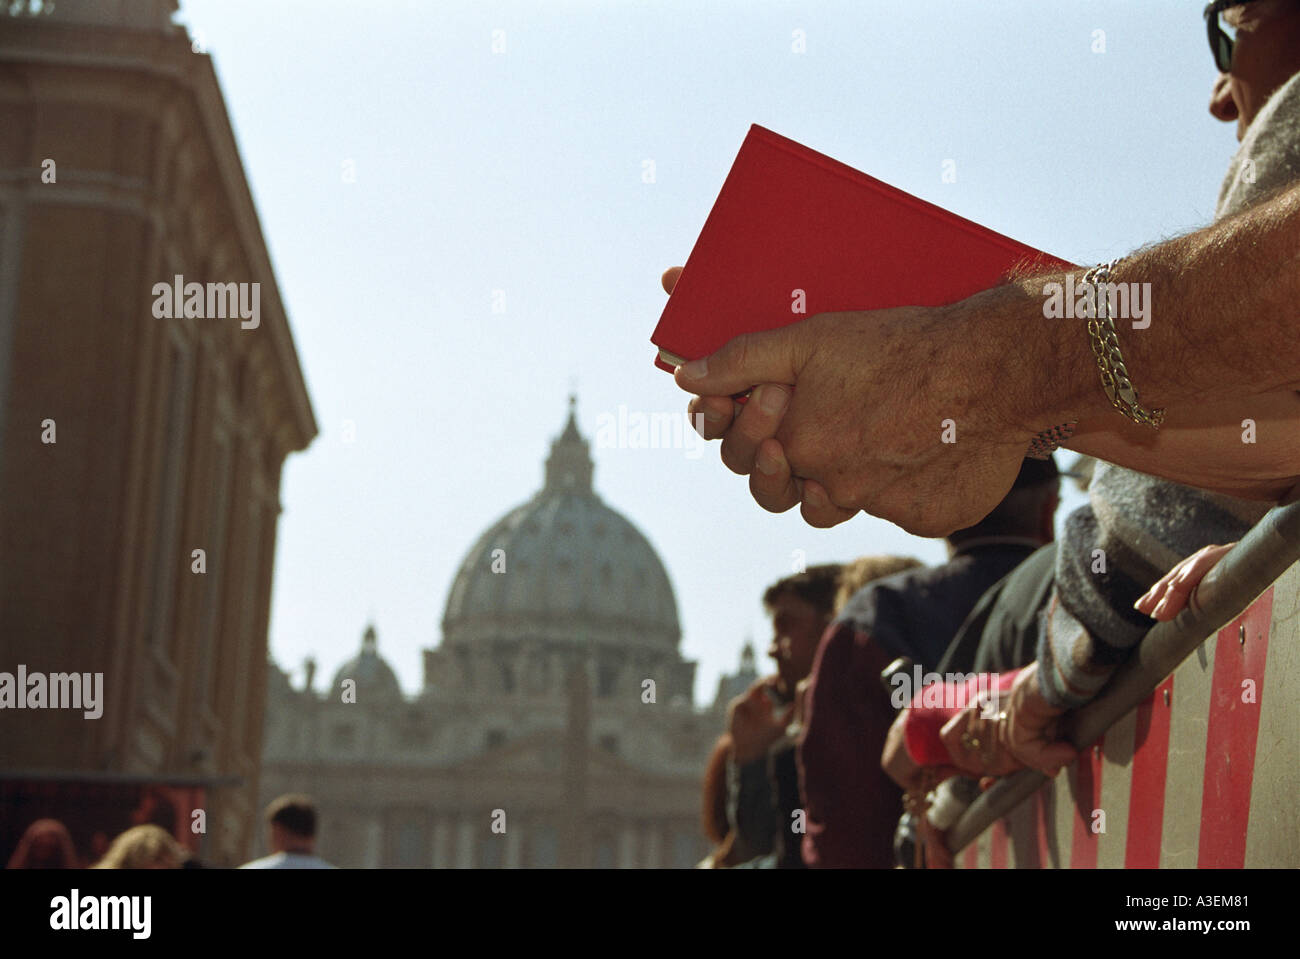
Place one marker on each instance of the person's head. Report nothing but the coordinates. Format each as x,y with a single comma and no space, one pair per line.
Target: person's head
291,823
801,606
1265,53
1027,512
45,845
864,569
143,847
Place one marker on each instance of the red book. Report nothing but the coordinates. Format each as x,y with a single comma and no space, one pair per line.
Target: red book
789,219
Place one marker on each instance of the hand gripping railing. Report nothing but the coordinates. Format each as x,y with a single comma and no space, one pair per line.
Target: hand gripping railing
1266,552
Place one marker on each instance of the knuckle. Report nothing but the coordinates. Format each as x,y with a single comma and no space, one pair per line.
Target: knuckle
752,425
820,518
773,503
739,350
841,492
734,458
710,431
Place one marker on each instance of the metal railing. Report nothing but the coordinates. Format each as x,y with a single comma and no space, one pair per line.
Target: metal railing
1266,552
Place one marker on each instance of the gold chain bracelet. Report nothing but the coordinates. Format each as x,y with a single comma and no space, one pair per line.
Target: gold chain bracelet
1105,347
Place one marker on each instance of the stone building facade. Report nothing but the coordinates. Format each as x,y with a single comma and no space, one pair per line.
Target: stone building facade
128,441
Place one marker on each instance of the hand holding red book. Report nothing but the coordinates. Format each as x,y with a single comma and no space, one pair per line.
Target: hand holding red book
810,274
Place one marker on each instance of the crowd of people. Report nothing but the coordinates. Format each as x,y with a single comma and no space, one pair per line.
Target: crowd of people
1191,422
797,778
291,831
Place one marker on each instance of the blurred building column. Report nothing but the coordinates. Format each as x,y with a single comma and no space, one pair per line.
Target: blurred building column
514,845
627,847
653,846
441,859
466,850
372,843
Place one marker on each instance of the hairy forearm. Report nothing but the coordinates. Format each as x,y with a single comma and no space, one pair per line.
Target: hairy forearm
1220,330
1224,308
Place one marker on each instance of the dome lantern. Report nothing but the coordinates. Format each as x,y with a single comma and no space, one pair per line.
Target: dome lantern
569,467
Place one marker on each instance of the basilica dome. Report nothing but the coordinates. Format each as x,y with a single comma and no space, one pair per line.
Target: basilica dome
563,565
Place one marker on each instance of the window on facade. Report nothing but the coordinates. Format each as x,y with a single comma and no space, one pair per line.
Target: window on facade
170,490
249,600
210,603
564,585
606,680
538,673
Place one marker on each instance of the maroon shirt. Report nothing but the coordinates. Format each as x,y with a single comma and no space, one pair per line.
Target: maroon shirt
851,806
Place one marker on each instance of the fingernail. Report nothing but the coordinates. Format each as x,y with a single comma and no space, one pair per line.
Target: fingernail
713,416
695,369
814,495
773,399
1160,608
766,464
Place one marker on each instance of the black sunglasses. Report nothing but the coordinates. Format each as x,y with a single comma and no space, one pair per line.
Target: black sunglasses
1220,41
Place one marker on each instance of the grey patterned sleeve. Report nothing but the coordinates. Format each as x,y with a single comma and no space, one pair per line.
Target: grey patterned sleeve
751,809
1136,529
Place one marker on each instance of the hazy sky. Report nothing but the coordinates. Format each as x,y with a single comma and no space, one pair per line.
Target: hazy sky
521,170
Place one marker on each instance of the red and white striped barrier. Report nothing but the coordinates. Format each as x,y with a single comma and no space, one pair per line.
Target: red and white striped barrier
1205,773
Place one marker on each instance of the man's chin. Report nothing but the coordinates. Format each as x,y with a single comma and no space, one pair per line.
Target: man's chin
784,688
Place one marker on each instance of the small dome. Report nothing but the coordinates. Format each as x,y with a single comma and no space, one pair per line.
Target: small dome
564,560
374,678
